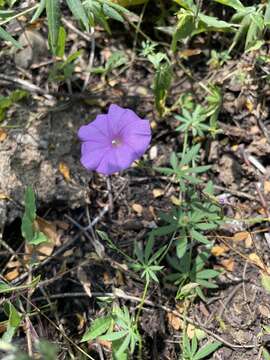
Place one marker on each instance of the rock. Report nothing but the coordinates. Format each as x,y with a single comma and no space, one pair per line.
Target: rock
35,49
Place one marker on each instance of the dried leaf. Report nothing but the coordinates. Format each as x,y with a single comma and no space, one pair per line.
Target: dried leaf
49,229
255,259
266,187
107,278
189,52
228,264
83,278
249,105
3,135
175,321
176,201
219,250
241,236
105,343
12,275
158,192
64,170
191,331
138,209
4,196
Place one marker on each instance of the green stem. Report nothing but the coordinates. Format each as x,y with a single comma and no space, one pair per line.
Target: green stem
138,316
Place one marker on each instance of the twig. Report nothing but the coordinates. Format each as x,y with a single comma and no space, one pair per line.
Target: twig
236,193
58,328
85,36
99,248
118,293
110,195
91,59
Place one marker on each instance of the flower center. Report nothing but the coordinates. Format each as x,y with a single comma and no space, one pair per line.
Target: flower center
116,142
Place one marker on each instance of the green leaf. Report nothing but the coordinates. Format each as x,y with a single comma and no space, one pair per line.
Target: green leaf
14,320
29,214
7,37
38,238
265,354
53,16
123,347
114,335
112,13
29,203
78,11
181,247
206,350
61,42
235,4
207,274
5,288
162,82
39,11
184,28
97,328
199,237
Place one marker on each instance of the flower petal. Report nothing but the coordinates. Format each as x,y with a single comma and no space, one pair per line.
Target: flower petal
118,159
119,118
92,154
96,131
140,127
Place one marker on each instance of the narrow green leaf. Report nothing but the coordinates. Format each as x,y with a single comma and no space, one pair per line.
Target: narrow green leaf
53,16
78,11
61,42
206,350
39,11
7,37
112,13
97,328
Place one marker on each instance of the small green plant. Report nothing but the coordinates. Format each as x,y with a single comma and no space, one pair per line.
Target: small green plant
29,229
190,274
118,327
163,74
192,352
7,101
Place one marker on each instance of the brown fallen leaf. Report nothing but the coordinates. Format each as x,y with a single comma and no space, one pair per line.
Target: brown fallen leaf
158,193
105,343
191,331
240,236
175,200
138,209
4,196
49,229
64,170
3,135
185,54
84,280
267,187
12,275
249,105
228,264
175,321
255,259
219,250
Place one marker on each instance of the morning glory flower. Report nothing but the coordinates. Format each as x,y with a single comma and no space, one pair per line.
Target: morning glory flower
113,141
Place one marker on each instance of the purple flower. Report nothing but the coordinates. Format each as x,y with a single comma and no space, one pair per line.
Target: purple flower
113,141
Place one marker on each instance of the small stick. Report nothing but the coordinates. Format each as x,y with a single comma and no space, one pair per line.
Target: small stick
91,59
109,187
